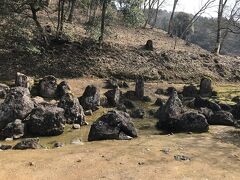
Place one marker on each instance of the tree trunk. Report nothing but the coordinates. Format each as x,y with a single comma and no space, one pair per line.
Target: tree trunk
104,9
171,18
70,17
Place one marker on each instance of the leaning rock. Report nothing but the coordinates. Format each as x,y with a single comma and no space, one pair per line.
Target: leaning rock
73,111
90,100
62,89
23,81
113,125
29,143
46,121
17,105
204,103
221,118
4,89
190,91
206,87
13,130
113,96
48,87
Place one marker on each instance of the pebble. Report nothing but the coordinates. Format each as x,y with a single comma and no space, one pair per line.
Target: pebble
58,145
9,139
181,158
77,142
76,126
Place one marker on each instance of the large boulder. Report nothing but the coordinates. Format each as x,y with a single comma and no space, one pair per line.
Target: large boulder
236,111
221,118
113,96
206,87
62,89
17,105
23,81
139,88
4,89
13,130
191,122
29,143
46,121
73,111
113,125
48,87
190,91
90,100
205,103
172,117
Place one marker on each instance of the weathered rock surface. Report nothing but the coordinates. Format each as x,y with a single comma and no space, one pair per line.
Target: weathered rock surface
90,100
29,143
113,96
205,103
23,81
206,87
113,125
149,45
13,130
172,117
73,111
138,113
4,90
221,118
48,87
17,105
190,91
46,121
139,88
62,89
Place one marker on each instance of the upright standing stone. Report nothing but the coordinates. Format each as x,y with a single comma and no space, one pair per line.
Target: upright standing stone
139,88
206,87
48,87
23,81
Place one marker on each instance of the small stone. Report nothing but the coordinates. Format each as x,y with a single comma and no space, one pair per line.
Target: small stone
88,113
77,142
58,145
165,150
181,158
79,160
31,164
5,147
76,126
140,163
9,139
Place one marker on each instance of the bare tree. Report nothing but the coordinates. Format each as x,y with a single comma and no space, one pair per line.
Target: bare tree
159,4
104,9
171,18
72,4
151,4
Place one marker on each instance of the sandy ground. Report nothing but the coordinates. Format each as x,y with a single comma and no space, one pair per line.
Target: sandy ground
141,158
214,155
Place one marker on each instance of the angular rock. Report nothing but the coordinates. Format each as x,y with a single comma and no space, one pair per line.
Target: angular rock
62,89
149,45
13,130
76,126
23,81
88,113
48,87
122,107
206,112
46,121
29,143
5,147
147,99
138,113
139,88
158,102
206,87
111,83
73,111
205,103
170,91
17,105
4,89
129,104
221,118
113,96
190,91
113,125
90,100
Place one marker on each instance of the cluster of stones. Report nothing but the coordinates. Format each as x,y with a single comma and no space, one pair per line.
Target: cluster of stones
192,110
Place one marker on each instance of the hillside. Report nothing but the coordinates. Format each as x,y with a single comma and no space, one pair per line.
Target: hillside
123,56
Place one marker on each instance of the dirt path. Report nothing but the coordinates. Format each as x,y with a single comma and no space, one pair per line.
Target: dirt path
142,158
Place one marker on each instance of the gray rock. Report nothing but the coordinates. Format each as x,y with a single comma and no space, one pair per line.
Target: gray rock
113,125
190,91
90,100
73,111
138,113
113,96
139,88
29,143
13,130
62,89
206,87
46,121
88,113
17,105
48,87
4,89
221,118
76,126
23,81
